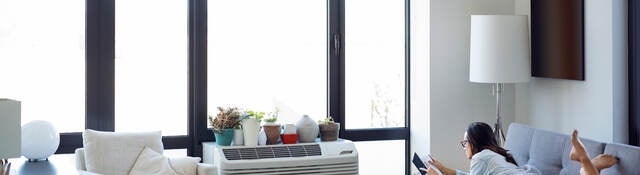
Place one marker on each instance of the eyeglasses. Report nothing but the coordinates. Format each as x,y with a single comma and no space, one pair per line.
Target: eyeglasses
464,143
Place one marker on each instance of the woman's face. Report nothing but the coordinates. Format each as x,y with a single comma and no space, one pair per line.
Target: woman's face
468,147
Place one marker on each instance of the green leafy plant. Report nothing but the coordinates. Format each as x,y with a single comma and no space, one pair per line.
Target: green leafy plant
227,118
328,120
273,116
254,114
271,119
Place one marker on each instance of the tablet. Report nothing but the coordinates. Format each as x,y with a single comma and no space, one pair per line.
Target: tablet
420,164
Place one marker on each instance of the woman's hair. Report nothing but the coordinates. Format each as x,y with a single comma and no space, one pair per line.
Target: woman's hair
481,136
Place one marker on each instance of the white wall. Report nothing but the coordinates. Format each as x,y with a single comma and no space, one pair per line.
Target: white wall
419,78
597,106
454,102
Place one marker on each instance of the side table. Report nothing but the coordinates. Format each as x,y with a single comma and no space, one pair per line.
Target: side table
59,164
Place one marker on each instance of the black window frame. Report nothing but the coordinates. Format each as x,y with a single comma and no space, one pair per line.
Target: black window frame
634,71
336,79
100,79
100,76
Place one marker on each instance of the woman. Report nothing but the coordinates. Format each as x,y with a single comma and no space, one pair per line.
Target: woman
487,157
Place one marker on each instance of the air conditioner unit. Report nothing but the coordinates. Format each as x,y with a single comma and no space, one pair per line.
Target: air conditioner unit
319,158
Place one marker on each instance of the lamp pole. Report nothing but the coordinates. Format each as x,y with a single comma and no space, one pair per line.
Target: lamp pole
497,131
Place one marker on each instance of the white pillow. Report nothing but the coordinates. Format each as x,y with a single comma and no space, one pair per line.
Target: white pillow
185,165
151,163
114,153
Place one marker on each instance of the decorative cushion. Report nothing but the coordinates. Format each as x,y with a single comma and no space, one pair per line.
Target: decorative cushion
151,162
185,165
629,157
518,142
114,153
546,151
573,167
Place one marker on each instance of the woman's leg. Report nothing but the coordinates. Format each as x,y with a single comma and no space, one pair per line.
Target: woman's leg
603,161
578,153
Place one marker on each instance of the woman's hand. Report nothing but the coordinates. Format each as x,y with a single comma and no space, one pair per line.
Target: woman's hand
442,168
429,171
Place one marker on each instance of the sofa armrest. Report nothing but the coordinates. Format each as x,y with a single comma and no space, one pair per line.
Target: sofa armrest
80,165
206,169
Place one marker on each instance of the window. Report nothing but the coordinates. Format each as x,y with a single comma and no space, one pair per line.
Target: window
369,75
42,60
374,63
381,157
268,54
178,60
151,69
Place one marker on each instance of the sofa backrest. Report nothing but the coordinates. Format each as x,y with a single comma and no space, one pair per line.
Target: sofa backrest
549,151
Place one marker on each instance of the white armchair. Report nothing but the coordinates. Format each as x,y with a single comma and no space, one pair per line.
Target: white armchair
203,169
115,153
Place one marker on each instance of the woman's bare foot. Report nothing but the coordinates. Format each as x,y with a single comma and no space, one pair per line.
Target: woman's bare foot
578,153
603,161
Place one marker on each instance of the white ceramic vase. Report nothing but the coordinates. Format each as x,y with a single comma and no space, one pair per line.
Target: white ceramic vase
307,129
238,137
250,130
262,138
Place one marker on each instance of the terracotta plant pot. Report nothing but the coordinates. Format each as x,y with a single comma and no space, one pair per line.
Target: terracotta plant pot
273,133
329,131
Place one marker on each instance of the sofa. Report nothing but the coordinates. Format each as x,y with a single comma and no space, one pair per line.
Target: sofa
549,152
116,153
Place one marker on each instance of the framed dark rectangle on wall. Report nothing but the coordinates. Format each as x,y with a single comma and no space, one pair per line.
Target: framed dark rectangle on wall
557,39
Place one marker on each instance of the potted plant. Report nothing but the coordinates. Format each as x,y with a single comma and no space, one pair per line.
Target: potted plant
328,129
238,137
251,127
223,124
271,128
289,135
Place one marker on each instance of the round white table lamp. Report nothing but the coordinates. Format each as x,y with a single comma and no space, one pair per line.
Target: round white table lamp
40,139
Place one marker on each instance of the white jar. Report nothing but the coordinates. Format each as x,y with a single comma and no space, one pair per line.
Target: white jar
307,129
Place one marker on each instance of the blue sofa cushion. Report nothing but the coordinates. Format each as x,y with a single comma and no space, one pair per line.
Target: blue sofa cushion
518,142
629,159
571,167
546,151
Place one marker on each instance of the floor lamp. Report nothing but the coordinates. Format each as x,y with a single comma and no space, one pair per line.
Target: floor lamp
10,130
499,54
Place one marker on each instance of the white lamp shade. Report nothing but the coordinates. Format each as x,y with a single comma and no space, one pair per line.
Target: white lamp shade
9,129
499,49
40,139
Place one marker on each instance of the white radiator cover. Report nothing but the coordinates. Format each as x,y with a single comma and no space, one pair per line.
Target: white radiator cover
332,158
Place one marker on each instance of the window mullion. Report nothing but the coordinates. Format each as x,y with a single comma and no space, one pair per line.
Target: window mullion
100,65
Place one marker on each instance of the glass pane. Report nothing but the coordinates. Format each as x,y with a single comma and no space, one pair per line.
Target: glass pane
268,55
151,66
381,157
374,63
42,61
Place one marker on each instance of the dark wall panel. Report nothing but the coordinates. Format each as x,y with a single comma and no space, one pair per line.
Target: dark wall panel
557,39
